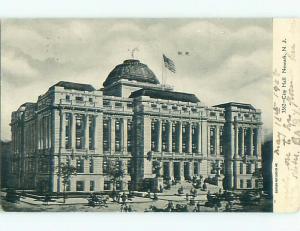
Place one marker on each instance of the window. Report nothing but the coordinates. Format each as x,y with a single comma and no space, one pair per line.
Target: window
117,104
90,100
164,136
221,135
185,137
248,170
240,141
241,168
79,98
165,107
241,184
174,107
212,140
91,166
106,185
129,105
106,135
80,166
105,167
195,133
129,135
106,103
118,135
68,121
91,132
67,97
79,185
154,134
68,186
196,168
249,184
174,137
92,185
79,131
212,114
153,105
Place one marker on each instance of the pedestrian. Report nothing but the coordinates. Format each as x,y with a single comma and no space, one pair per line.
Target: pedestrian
198,206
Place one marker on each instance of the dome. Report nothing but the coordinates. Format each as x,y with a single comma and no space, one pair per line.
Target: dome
131,69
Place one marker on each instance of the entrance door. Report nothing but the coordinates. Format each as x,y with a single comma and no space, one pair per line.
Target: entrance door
177,170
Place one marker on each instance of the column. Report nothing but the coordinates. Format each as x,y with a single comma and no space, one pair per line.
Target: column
112,135
49,131
86,131
217,142
190,138
251,141
171,169
179,137
199,136
38,133
159,134
62,129
124,134
169,136
73,131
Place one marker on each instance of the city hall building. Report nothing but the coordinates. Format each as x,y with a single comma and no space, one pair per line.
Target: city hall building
149,131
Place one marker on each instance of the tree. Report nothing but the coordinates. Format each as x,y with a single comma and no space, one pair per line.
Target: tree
66,171
116,171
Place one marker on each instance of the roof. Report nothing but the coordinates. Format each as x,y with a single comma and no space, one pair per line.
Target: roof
235,104
74,86
131,69
166,95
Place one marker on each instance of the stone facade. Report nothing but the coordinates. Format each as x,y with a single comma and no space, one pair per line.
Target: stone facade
141,126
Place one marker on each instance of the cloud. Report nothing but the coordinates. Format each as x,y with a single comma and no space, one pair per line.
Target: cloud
230,59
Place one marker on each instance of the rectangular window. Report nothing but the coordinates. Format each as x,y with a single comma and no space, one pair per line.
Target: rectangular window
195,133
79,98
79,131
91,132
106,103
79,185
212,140
174,137
105,167
221,135
241,184
129,136
154,128
196,168
164,136
106,135
106,185
117,104
67,97
241,168
90,100
68,186
92,185
118,135
91,166
247,141
240,141
185,137
249,184
248,169
80,166
68,124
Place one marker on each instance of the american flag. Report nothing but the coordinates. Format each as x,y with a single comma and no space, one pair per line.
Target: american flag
169,64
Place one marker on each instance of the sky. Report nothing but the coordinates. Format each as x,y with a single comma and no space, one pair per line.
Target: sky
229,59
